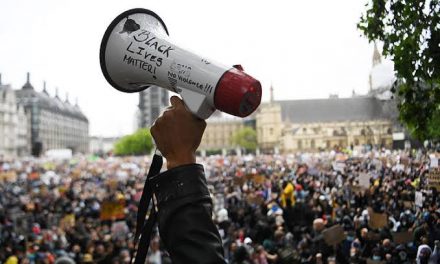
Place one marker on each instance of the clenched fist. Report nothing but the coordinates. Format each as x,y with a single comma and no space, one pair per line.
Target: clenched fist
177,133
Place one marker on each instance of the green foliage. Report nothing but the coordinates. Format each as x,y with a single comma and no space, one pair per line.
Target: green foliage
245,138
410,32
138,143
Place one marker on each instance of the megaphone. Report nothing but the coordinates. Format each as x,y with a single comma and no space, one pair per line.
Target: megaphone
136,53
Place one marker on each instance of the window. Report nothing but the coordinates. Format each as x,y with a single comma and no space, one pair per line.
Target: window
300,144
312,143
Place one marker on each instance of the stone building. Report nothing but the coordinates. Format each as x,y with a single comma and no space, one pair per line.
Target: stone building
219,132
14,130
313,124
54,123
151,103
310,125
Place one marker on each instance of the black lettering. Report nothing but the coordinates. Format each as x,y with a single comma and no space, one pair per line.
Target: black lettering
144,66
147,55
154,45
159,62
166,52
161,48
125,58
140,50
128,48
143,33
148,41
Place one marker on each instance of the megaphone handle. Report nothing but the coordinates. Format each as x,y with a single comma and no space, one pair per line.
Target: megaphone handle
157,152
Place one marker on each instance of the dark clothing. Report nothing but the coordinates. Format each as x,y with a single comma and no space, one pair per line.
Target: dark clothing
184,215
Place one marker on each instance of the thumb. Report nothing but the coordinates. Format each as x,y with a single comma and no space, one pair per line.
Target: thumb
176,101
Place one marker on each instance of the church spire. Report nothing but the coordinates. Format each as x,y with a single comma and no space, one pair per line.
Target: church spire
44,88
271,93
28,84
377,58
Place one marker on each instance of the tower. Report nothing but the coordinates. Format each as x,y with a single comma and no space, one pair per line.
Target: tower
377,58
151,103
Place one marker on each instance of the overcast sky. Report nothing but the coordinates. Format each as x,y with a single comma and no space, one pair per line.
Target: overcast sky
306,49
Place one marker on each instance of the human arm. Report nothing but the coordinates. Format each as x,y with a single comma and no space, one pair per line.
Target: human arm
183,201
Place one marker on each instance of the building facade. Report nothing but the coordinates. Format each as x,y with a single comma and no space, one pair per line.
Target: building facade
151,103
14,129
219,132
311,125
102,145
54,123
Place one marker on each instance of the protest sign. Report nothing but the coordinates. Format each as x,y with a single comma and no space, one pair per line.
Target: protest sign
68,221
10,176
255,199
419,199
112,210
407,204
370,261
372,236
364,180
404,161
377,220
402,237
239,181
333,235
434,179
119,229
434,163
33,176
259,179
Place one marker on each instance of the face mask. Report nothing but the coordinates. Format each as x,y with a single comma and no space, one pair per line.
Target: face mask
376,257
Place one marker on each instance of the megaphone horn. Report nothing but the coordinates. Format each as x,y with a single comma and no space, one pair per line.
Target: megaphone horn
136,52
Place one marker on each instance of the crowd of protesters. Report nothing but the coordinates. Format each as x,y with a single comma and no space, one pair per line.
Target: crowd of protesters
268,208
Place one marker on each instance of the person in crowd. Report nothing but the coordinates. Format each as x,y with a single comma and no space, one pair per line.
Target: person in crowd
265,208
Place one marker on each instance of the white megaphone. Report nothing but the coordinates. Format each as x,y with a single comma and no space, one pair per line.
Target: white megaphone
136,53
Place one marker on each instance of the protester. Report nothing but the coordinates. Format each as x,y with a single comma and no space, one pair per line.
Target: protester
268,208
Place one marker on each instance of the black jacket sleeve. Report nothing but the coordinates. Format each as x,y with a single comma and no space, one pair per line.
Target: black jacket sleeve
184,215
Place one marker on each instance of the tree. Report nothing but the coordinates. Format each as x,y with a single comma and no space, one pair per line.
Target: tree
138,143
245,138
410,32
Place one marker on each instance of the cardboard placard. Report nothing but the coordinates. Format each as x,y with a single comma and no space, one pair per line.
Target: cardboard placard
404,161
434,179
377,220
334,235
419,199
259,179
9,176
370,261
402,237
407,204
112,210
239,181
372,236
255,199
357,189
